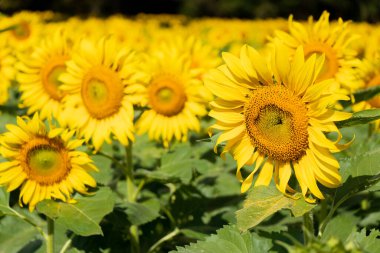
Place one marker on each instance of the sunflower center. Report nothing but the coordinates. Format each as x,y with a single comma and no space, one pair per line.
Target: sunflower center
375,101
21,31
276,122
50,74
45,160
331,64
167,95
102,92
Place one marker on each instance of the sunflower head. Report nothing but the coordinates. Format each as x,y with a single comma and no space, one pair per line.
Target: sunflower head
101,86
174,94
43,162
272,115
39,72
334,41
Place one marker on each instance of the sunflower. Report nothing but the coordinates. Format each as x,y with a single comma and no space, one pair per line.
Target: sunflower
43,162
25,29
101,87
174,95
38,76
7,71
370,72
273,116
332,40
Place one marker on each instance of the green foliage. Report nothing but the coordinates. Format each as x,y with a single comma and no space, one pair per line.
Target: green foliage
229,240
15,234
141,213
262,202
82,217
361,117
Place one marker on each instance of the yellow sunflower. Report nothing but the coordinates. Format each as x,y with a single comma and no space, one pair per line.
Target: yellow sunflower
174,95
332,40
7,71
274,116
25,32
43,162
38,76
370,72
101,87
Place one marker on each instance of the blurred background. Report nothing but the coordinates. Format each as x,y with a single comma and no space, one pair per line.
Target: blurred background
356,10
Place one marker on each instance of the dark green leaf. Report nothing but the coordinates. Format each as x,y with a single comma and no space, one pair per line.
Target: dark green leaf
82,217
340,227
141,213
359,173
370,243
229,240
104,175
364,94
16,234
358,118
179,164
262,201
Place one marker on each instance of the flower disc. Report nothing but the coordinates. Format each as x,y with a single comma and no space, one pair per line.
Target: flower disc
45,160
49,76
331,65
102,92
166,95
276,122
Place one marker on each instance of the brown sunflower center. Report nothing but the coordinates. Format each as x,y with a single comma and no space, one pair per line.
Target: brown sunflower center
167,95
102,92
22,31
331,64
45,160
375,101
50,73
276,122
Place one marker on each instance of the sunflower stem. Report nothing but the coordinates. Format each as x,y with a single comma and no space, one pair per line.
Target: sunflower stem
308,225
50,236
131,197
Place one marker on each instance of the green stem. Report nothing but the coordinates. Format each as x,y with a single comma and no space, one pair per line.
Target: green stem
323,225
167,237
67,244
308,224
131,197
12,27
50,236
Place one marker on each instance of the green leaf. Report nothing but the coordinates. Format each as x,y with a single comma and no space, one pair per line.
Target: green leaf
371,219
370,243
4,202
15,234
104,175
229,240
144,212
363,95
340,227
82,217
178,165
146,153
263,201
358,118
359,173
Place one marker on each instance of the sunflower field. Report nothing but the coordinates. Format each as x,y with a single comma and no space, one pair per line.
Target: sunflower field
161,133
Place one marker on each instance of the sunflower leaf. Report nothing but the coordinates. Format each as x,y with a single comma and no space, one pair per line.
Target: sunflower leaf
4,202
370,243
359,173
16,234
358,118
228,240
82,217
263,201
363,95
141,213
